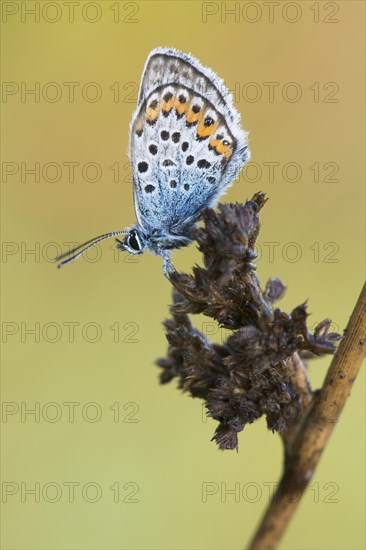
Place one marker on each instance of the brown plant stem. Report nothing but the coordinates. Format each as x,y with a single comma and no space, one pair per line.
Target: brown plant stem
305,449
300,382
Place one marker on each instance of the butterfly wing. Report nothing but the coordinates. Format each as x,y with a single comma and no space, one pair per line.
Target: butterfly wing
186,142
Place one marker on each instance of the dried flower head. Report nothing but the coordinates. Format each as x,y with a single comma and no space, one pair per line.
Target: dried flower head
252,373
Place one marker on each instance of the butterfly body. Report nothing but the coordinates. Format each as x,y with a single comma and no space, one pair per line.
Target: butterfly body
186,148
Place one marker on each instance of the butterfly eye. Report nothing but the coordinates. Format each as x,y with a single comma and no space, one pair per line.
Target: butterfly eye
133,241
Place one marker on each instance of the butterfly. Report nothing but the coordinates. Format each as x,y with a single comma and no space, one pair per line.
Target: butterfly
186,148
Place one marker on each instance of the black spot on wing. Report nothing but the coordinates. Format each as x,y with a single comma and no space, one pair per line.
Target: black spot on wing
203,163
208,121
168,162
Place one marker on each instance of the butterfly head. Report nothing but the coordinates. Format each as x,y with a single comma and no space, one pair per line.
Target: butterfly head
134,242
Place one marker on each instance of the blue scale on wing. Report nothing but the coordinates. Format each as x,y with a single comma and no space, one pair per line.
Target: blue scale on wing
176,171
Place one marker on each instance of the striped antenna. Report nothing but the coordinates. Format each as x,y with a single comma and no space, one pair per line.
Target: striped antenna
74,254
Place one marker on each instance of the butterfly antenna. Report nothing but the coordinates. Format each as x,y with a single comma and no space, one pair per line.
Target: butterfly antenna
74,254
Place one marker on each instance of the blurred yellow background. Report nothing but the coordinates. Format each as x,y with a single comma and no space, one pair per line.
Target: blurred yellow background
114,459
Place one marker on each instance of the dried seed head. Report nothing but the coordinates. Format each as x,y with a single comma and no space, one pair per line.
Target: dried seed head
249,375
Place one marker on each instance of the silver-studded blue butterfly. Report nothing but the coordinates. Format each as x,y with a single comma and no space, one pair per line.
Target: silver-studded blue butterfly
186,147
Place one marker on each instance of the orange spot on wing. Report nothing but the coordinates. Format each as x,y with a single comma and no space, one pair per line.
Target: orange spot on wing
152,114
139,126
215,144
204,131
221,149
180,107
167,106
193,117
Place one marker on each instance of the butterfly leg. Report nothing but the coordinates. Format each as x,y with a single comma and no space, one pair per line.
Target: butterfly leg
168,266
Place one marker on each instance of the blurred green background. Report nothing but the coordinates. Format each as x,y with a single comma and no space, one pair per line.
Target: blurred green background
116,460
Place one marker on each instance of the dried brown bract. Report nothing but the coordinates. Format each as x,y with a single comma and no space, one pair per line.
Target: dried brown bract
252,373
